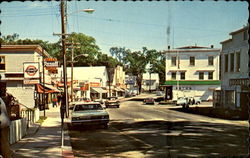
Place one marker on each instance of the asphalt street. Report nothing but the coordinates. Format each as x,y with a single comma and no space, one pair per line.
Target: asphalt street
138,130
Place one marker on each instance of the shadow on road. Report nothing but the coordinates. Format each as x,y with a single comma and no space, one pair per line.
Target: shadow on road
212,112
161,139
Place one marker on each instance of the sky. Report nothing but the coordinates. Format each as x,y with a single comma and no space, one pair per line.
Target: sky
132,25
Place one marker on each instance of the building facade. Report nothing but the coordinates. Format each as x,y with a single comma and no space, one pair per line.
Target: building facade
21,70
192,71
235,72
150,81
88,82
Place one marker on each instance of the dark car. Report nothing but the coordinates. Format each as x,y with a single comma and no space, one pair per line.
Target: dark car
149,101
112,102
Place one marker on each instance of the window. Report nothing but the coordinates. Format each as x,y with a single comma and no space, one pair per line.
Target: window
192,61
232,62
226,62
238,62
210,60
2,63
173,61
201,75
173,75
210,75
182,75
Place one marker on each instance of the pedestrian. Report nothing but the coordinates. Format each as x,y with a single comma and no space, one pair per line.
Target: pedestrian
59,99
54,102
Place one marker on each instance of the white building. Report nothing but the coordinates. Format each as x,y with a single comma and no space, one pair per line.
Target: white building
150,81
89,82
12,71
235,72
192,71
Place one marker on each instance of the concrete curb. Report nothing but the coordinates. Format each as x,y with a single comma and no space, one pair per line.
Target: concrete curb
67,148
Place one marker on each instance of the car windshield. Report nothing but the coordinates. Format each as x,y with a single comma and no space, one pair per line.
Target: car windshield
83,107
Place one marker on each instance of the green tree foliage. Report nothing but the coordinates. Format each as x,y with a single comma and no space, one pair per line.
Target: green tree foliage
136,62
87,45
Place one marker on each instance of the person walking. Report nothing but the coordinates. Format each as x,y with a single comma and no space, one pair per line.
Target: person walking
59,99
54,102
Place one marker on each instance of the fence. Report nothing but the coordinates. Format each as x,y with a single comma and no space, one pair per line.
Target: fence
18,128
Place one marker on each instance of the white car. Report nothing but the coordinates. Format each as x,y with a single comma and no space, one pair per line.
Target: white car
183,101
89,113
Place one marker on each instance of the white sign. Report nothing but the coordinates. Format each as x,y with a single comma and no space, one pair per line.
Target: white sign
31,70
51,63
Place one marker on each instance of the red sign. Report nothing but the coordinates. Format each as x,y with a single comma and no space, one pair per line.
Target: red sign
95,84
31,70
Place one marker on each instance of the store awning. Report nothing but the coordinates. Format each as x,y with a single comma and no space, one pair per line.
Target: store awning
46,89
97,90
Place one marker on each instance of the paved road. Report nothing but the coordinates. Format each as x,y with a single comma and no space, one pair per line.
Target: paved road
138,130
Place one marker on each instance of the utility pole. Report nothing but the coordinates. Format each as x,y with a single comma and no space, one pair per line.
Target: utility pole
44,103
64,57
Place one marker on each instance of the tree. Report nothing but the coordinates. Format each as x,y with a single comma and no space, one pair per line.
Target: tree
86,45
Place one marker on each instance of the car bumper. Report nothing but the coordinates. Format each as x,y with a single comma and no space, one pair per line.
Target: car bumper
96,121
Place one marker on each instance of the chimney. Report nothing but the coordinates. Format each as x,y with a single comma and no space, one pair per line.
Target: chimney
212,46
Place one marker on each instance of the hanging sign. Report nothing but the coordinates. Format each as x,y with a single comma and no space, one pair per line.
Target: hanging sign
31,70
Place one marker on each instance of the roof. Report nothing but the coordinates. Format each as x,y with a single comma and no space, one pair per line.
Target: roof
16,48
192,49
228,40
239,30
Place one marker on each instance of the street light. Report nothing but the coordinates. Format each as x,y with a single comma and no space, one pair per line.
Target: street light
72,66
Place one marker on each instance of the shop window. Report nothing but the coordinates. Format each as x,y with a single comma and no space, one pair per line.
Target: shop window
230,98
2,63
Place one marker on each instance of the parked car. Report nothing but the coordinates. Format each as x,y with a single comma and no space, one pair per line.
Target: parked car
195,100
89,113
112,102
183,101
149,101
99,101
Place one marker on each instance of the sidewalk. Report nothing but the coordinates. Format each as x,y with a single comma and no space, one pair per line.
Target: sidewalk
44,141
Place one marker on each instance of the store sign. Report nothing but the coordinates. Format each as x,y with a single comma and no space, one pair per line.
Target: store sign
31,70
95,84
240,82
50,62
30,81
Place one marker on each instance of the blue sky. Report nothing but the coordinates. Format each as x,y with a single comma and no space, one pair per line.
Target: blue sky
132,25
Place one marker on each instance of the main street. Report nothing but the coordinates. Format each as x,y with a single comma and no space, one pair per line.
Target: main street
138,130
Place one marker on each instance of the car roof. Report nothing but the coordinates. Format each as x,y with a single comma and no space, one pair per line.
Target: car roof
87,103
